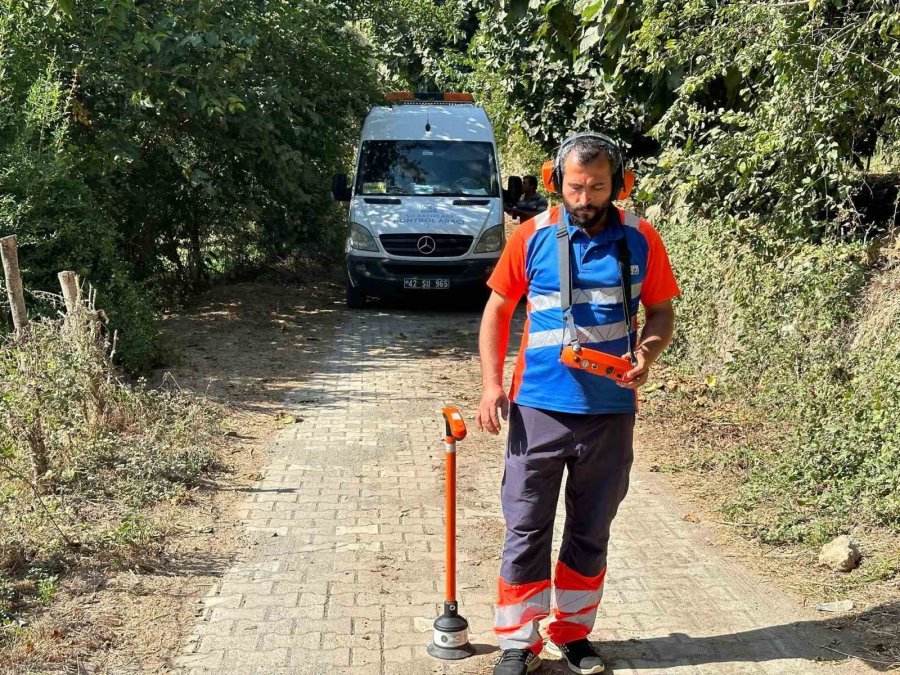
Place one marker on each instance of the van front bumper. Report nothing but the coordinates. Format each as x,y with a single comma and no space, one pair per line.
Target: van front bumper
384,277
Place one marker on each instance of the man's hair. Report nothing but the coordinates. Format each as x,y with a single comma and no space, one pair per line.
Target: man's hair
589,149
530,179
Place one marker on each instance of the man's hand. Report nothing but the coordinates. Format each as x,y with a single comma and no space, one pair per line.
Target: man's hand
658,327
637,376
486,418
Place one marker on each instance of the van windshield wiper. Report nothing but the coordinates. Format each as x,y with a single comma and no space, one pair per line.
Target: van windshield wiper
393,194
463,195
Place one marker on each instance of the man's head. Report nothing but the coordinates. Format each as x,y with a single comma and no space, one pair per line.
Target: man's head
589,172
529,185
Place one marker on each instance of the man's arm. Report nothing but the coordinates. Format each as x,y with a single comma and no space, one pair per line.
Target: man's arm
659,325
524,214
493,340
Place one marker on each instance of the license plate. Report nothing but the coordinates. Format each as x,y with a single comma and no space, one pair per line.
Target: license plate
426,284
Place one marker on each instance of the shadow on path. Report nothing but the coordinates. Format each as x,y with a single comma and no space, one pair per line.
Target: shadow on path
811,641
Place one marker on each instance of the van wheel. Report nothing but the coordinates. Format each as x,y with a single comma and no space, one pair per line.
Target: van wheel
356,299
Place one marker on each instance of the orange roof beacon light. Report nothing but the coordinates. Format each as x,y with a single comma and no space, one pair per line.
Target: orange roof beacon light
451,631
428,97
458,97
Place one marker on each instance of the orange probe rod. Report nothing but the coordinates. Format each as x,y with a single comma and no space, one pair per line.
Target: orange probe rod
451,517
455,430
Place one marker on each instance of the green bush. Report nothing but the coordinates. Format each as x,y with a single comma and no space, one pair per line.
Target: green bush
782,328
154,146
59,223
761,111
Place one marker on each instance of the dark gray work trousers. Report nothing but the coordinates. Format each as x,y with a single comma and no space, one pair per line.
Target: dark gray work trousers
597,452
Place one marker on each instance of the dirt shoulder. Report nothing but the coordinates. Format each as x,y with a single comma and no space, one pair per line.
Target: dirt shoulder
240,346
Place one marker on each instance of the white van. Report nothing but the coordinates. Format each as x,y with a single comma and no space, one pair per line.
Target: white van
426,204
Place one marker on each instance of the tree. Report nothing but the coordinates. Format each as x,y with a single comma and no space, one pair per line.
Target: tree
797,97
184,139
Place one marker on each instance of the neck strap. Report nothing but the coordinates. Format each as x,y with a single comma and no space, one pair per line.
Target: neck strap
564,254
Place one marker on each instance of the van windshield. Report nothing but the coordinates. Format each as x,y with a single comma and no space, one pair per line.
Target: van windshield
437,168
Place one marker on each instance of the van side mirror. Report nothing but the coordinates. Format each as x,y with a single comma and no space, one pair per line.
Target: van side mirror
339,188
513,190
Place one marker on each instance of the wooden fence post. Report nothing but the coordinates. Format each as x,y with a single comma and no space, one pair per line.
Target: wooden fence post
10,255
68,281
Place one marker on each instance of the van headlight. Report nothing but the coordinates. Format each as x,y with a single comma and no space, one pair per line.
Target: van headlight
491,240
361,239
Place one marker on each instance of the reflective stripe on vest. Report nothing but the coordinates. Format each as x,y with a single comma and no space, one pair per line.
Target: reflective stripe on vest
610,295
586,335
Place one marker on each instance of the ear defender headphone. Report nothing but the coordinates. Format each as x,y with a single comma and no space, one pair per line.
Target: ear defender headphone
623,181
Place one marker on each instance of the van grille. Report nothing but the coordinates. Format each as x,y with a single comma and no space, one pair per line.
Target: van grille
446,245
424,270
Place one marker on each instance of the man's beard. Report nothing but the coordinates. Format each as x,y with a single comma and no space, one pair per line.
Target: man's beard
586,217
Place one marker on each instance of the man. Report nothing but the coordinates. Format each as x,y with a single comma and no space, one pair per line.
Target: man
530,203
561,418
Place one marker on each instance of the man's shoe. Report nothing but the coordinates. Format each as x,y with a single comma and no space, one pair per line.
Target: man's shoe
579,655
517,662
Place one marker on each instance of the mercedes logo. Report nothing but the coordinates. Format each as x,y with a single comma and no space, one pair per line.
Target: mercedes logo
426,245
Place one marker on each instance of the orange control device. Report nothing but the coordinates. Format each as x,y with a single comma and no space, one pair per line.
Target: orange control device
596,363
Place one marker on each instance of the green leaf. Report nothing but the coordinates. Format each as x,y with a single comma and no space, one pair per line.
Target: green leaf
590,37
590,9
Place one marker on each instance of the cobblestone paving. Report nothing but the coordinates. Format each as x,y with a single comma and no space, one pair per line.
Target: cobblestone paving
345,571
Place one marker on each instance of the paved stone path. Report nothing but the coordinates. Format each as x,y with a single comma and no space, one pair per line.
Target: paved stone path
345,571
